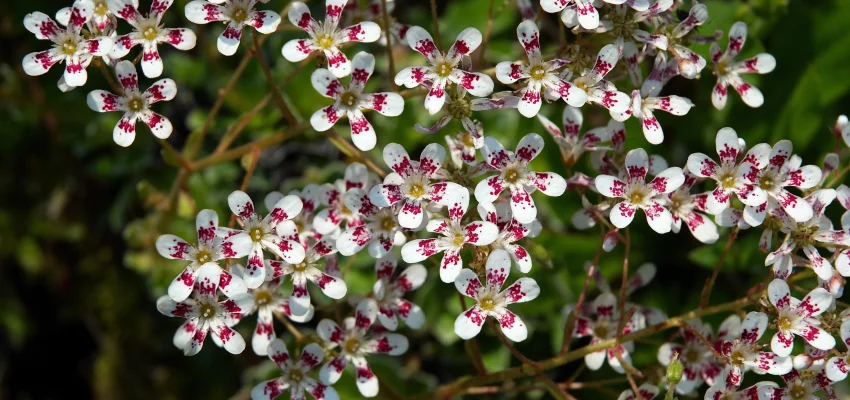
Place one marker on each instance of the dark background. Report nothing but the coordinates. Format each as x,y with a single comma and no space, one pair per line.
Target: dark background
79,274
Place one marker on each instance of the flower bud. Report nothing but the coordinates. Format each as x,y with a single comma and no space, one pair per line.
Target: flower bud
610,241
675,371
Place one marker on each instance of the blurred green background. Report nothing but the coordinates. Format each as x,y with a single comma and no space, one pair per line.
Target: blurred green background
79,274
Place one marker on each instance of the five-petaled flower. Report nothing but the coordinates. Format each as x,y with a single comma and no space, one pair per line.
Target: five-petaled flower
583,12
236,14
307,270
636,193
258,234
351,100
267,302
410,184
69,44
206,313
782,170
355,344
539,74
604,328
816,231
510,232
731,175
443,68
332,196
592,85
728,70
515,176
801,318
389,291
491,300
455,237
573,145
380,230
744,351
697,358
209,249
691,209
149,33
295,374
134,104
326,37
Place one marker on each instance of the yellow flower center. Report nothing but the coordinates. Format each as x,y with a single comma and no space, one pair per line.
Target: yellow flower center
387,224
300,267
487,302
207,310
256,234
349,99
100,8
538,72
69,47
351,345
798,392
325,41
601,331
295,375
262,297
151,33
443,69
512,175
136,104
203,257
239,15
416,191
727,181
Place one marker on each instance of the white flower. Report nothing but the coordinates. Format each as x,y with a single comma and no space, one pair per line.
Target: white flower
355,344
455,237
410,184
514,174
206,313
350,100
801,318
294,374
728,70
209,249
236,14
327,37
443,68
148,33
636,193
540,75
134,104
69,45
492,301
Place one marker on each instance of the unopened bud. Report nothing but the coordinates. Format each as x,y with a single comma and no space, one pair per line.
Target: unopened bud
675,371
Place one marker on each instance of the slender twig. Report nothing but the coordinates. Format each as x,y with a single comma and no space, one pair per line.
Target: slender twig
388,34
240,151
553,387
237,128
719,357
837,178
487,32
471,345
168,148
278,98
291,328
353,152
624,286
110,79
436,20
460,384
568,327
709,286
632,384
248,173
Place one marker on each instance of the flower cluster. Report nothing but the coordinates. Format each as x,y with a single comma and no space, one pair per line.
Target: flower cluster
289,258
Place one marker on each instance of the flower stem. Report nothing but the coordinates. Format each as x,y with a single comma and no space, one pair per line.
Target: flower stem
706,291
388,34
278,98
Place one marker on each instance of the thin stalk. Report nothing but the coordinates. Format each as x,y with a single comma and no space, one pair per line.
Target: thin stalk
709,286
278,98
386,17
